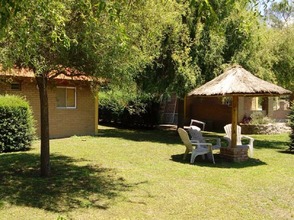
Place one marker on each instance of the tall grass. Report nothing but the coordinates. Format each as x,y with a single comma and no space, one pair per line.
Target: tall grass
128,174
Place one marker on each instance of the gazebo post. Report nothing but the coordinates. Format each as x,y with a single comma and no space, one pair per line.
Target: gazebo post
234,153
234,121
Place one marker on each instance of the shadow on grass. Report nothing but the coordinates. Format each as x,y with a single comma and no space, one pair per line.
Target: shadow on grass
287,151
70,186
219,162
270,144
154,135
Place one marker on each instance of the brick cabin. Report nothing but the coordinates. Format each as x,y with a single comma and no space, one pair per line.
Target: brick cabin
73,106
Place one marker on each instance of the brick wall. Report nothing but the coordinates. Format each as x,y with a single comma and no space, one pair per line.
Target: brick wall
236,154
62,122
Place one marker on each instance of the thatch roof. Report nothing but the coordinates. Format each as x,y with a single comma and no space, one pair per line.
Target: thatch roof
238,81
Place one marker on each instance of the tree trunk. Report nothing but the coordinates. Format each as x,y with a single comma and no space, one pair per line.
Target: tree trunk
45,152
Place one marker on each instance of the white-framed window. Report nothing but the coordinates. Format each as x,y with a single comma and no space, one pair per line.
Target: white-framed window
66,97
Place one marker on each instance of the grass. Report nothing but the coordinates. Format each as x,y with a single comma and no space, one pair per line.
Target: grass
126,174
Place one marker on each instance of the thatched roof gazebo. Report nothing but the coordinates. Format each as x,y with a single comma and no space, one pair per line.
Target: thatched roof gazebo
235,82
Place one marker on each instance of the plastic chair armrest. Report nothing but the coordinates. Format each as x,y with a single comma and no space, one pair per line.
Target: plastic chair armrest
244,136
209,145
251,140
194,141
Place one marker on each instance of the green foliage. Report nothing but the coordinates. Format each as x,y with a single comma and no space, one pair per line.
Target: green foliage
272,57
128,108
8,8
164,46
291,123
16,124
170,69
280,14
284,63
107,39
257,118
167,42
196,47
112,105
51,36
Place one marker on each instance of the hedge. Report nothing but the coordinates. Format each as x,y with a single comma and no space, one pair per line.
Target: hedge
16,124
131,111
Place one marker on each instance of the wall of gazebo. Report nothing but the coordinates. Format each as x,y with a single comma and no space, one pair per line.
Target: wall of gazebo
217,112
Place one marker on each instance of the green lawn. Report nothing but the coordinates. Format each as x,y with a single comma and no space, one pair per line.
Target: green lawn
125,174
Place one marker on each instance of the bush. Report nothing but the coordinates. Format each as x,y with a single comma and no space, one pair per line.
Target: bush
291,123
127,109
141,112
16,124
257,118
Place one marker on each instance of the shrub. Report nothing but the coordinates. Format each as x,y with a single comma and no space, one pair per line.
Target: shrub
16,124
127,109
141,112
291,123
112,105
257,118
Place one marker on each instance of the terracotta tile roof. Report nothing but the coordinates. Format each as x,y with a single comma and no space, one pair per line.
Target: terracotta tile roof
69,75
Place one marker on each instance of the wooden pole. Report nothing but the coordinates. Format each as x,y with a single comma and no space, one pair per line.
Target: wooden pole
185,108
234,121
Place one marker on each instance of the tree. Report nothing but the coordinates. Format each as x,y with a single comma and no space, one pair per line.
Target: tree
200,38
9,8
38,37
280,17
284,65
113,39
209,34
280,14
171,71
57,37
22,46
271,56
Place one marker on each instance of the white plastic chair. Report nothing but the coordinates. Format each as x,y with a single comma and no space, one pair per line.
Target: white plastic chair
196,136
228,130
196,148
193,121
